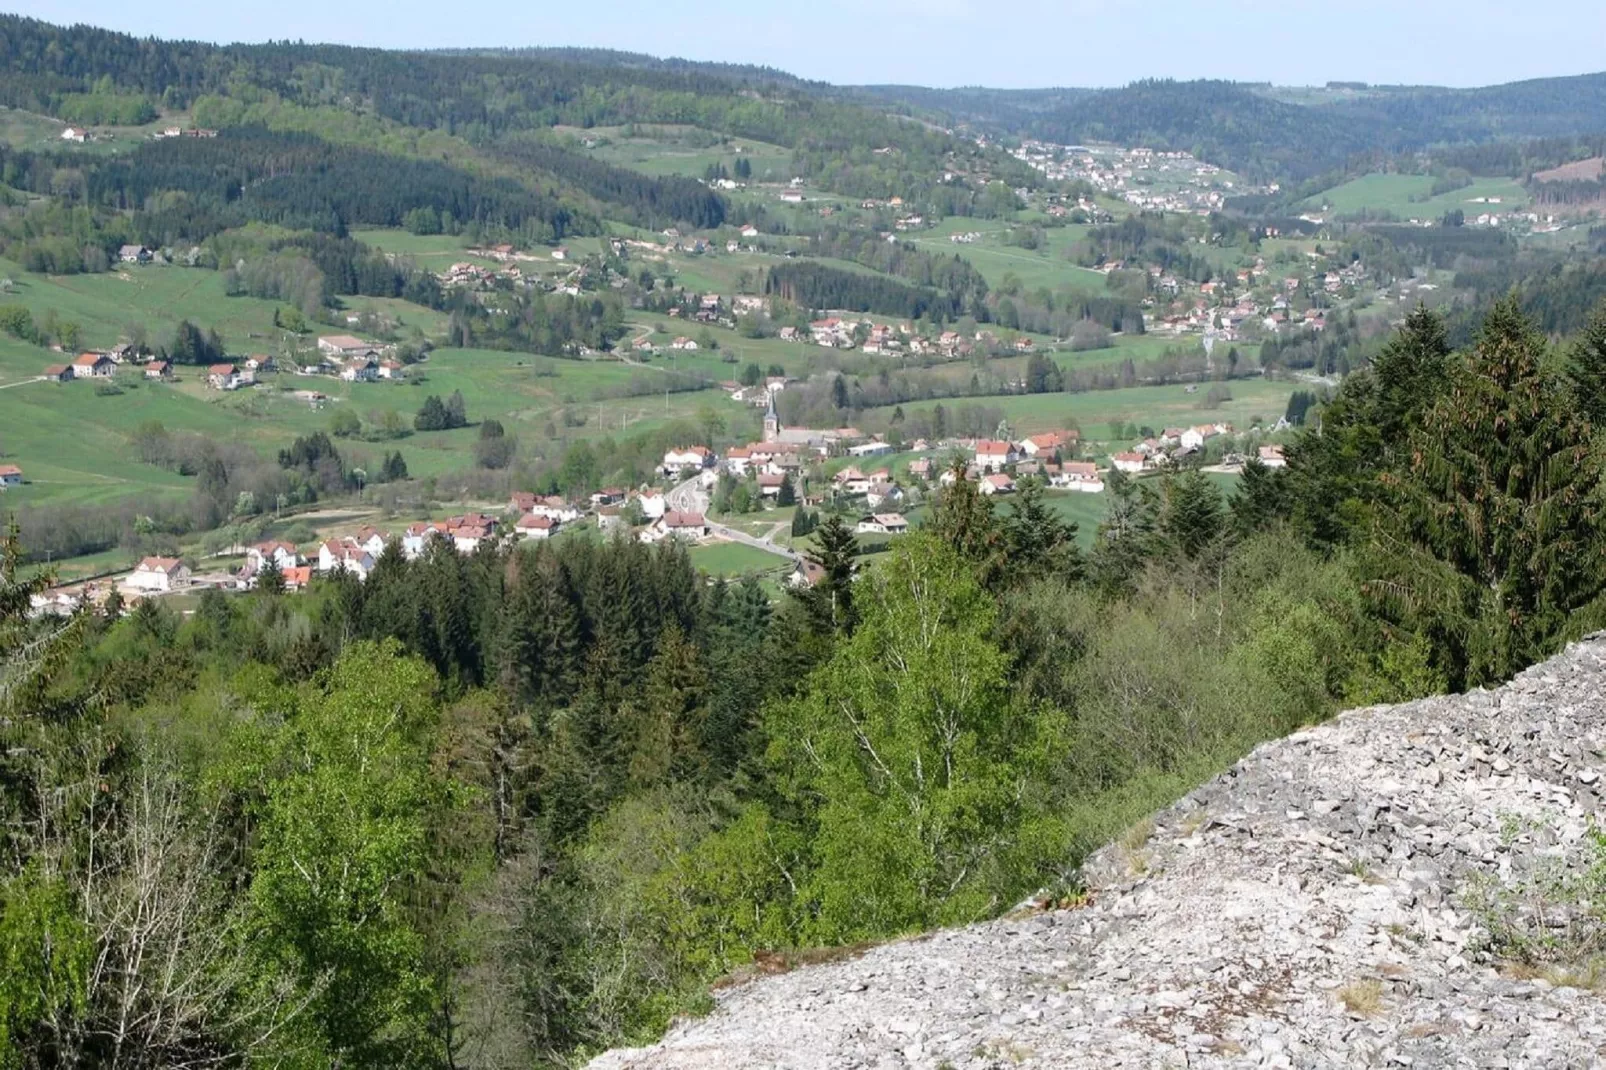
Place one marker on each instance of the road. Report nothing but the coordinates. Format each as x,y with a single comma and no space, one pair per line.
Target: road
689,497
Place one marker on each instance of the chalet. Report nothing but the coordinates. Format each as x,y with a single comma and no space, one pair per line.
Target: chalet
920,469
10,476
879,494
996,483
805,574
61,373
222,377
683,344
392,369
610,517
259,363
415,541
158,369
522,502
680,459
73,133
372,540
675,525
283,554
1079,475
991,454
122,353
160,574
1038,445
134,254
467,538
298,578
346,555
346,346
93,366
555,509
1272,457
362,369
560,253
653,504
769,485
737,460
531,526
1130,463
749,231
882,524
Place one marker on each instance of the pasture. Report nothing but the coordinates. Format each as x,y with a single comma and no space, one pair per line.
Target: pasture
1410,197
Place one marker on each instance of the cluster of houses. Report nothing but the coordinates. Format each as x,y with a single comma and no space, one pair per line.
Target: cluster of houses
350,358
834,332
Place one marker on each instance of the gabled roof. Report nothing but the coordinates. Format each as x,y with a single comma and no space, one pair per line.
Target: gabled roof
159,564
220,369
89,360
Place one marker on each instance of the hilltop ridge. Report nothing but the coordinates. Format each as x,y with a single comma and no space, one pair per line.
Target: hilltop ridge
1326,902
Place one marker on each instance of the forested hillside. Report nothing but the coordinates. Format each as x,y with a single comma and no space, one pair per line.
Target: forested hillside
1250,129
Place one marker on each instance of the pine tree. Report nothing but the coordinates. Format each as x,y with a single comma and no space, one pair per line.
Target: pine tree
1586,368
270,580
1488,537
1192,517
830,600
787,495
1260,501
1040,541
1126,537
963,519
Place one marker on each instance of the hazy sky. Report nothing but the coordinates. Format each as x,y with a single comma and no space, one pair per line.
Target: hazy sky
1010,43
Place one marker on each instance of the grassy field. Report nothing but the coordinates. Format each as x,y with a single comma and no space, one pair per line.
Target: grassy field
1154,406
1045,267
1407,196
736,559
106,306
676,150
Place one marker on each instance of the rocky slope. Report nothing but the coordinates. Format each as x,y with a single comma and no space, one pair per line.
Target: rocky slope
1315,906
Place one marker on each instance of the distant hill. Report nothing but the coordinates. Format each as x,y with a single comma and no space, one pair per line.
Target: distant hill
1266,132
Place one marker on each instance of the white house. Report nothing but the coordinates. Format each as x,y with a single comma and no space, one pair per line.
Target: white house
360,370
345,345
653,505
372,541
93,366
345,556
1130,463
994,455
416,540
610,517
468,537
737,460
1272,457
882,524
1043,444
531,526
1080,476
555,509
10,476
283,554
160,574
681,458
997,483
869,449
73,133
675,525
881,493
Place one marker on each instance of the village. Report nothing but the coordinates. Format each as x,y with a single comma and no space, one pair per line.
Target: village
823,469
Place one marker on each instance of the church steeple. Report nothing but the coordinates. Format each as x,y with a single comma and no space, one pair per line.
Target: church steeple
772,420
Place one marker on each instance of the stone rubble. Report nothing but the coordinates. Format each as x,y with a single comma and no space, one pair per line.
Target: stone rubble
1326,871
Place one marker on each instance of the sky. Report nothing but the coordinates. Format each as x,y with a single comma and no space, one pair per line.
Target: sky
1000,43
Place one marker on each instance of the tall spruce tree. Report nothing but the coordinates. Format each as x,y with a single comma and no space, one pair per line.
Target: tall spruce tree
1586,368
1488,540
830,600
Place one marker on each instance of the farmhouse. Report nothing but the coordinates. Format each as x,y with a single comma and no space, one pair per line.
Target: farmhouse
610,517
1048,443
416,540
675,525
345,556
992,454
882,524
344,345
1272,457
160,574
10,476
133,254
222,377
531,526
158,369
996,483
363,369
93,366
73,133
60,373
681,458
1130,463
1079,475
653,505
769,484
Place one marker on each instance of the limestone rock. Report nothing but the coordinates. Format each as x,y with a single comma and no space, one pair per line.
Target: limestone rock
1307,908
